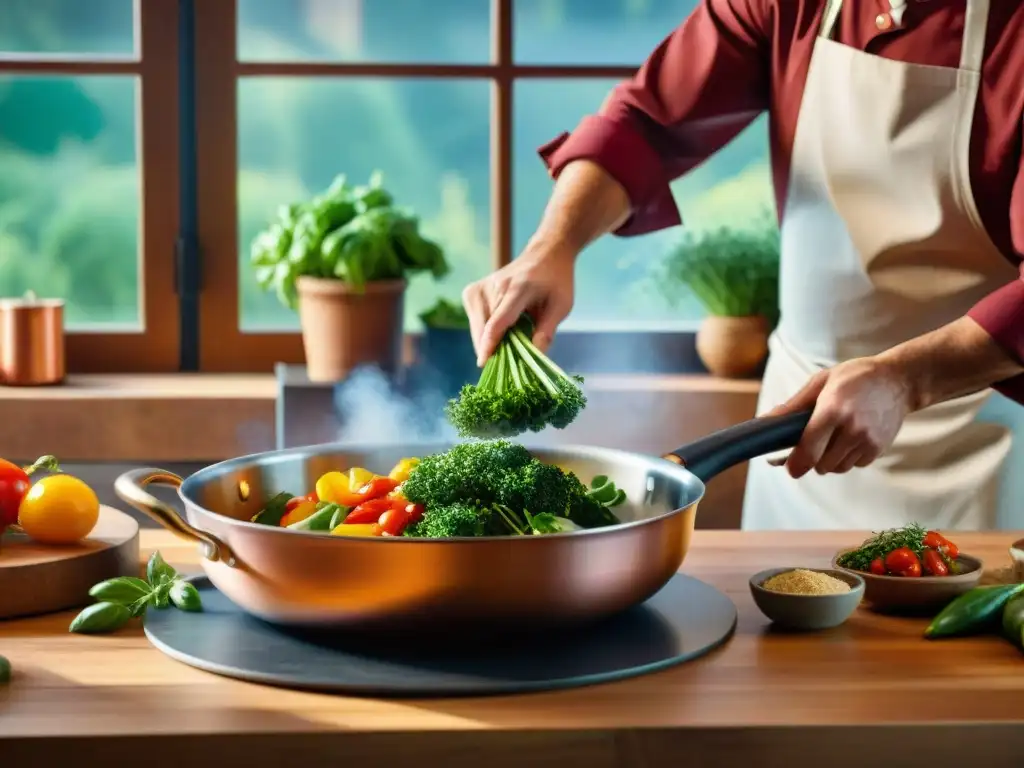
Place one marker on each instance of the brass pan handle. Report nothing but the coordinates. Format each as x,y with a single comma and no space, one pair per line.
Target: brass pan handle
131,487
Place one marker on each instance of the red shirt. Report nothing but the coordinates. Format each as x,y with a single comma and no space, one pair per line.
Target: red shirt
731,60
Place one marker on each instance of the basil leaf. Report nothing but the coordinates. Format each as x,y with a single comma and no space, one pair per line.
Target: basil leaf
161,595
158,571
125,590
186,597
99,618
138,608
273,510
5,671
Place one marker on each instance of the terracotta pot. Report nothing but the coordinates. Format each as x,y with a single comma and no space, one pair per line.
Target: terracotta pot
733,347
343,329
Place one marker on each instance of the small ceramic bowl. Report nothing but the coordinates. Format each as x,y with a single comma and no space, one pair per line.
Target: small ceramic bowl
807,612
1017,554
897,594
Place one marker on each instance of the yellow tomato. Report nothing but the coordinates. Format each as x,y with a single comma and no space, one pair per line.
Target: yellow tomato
358,477
59,509
332,487
300,511
357,529
401,470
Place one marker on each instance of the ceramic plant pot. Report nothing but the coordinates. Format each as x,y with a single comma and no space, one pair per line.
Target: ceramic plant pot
343,329
733,347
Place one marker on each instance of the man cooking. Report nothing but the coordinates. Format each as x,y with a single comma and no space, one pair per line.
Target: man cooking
896,132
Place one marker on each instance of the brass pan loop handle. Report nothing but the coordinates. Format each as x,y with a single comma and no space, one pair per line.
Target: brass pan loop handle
131,488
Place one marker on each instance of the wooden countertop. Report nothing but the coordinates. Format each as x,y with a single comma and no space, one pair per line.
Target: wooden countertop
871,692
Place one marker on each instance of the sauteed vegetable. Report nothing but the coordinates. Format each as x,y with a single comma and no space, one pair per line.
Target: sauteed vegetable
910,551
493,488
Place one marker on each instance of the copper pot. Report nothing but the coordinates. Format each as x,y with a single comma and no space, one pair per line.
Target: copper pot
299,578
31,341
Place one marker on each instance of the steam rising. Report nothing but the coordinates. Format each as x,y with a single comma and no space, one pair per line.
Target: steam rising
373,410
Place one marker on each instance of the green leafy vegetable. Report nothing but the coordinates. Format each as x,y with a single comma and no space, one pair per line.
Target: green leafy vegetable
733,273
497,488
100,617
185,596
520,389
881,544
124,598
446,315
353,234
5,671
273,510
158,571
604,491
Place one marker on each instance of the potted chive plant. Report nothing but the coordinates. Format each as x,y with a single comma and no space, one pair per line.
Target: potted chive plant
735,275
446,347
343,260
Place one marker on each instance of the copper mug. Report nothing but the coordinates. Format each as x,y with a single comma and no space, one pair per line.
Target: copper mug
31,341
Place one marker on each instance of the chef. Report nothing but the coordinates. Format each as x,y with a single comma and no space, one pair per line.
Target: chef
896,131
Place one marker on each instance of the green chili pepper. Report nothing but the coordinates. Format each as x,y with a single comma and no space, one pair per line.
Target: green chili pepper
1013,621
972,611
321,520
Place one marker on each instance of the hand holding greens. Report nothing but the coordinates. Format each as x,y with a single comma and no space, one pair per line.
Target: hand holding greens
126,597
352,234
520,389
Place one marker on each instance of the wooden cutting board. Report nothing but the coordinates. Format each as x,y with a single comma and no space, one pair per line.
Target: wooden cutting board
44,578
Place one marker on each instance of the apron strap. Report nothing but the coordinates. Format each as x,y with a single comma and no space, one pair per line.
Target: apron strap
972,49
829,17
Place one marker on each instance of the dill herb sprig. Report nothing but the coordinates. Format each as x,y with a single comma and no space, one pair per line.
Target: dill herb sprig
881,544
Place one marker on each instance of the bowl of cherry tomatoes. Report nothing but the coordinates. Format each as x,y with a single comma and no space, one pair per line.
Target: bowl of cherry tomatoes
910,569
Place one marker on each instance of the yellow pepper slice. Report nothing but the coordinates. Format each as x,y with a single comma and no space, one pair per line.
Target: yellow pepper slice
299,512
357,529
333,487
358,477
400,472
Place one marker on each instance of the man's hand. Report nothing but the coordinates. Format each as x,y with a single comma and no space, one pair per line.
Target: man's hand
859,406
540,282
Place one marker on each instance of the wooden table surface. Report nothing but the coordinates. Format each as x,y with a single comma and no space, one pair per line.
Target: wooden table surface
871,692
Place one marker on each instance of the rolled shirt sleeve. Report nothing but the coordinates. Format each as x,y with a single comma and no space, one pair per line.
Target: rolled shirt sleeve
703,84
1001,314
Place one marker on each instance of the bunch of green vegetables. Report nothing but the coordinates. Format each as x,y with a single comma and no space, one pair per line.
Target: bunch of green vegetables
733,273
350,233
498,488
122,599
445,315
520,389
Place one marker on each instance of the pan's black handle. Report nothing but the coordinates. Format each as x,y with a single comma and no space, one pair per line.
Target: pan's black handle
728,447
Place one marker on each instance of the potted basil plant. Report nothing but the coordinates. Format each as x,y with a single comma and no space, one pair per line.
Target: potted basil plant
735,275
343,260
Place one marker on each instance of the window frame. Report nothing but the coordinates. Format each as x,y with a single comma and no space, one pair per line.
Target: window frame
223,346
156,348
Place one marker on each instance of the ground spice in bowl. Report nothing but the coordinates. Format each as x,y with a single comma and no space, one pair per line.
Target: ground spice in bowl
801,581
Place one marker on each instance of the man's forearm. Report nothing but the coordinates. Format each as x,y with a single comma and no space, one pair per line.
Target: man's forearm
957,359
587,202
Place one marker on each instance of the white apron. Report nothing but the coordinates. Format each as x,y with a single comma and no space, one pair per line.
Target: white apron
882,242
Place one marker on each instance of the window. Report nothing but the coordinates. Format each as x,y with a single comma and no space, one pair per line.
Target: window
89,173
450,99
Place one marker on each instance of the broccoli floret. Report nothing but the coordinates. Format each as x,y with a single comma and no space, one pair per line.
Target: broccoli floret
520,390
450,521
504,486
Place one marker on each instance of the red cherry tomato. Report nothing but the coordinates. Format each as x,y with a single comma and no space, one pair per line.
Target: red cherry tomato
393,521
877,567
903,562
14,484
415,512
936,540
933,563
933,540
368,512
